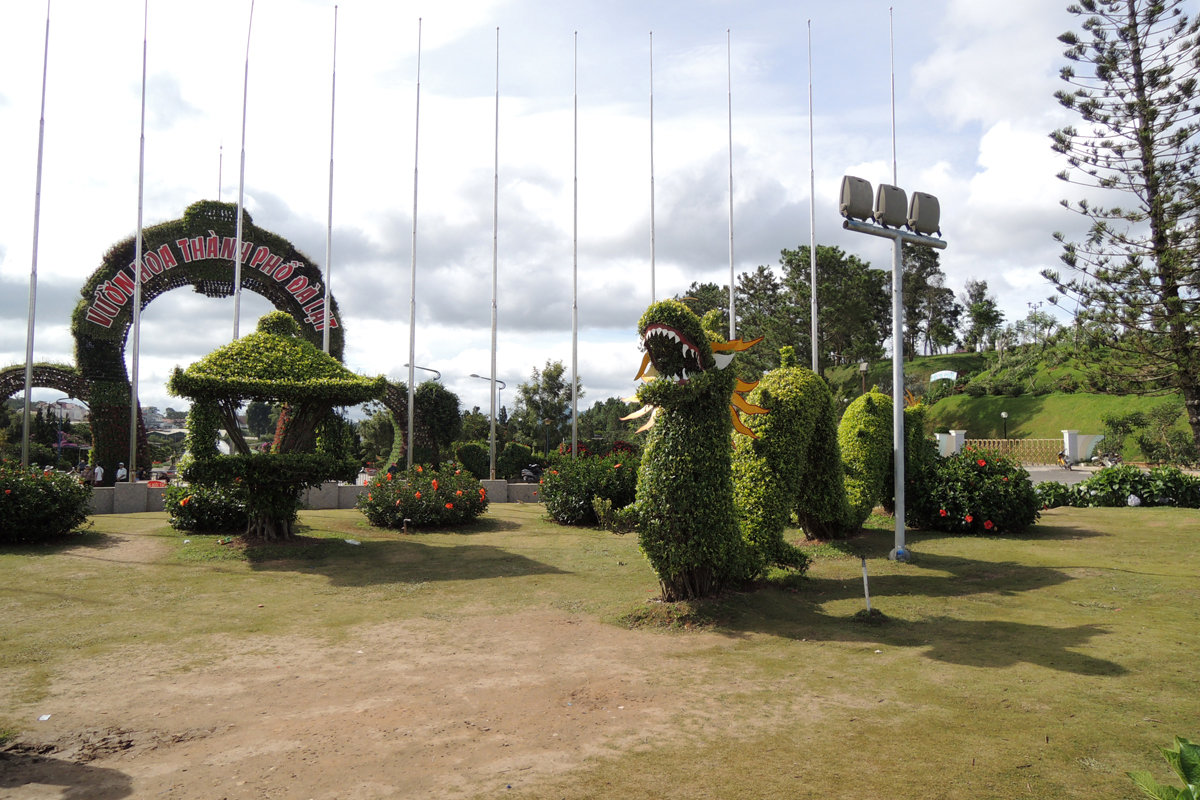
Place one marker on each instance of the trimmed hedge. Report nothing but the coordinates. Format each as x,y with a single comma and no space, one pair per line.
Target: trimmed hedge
206,509
36,507
865,440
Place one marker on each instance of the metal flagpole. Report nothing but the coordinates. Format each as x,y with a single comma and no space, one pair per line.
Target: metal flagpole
412,281
899,552
812,209
329,224
137,261
575,273
729,75
495,242
652,291
237,250
37,214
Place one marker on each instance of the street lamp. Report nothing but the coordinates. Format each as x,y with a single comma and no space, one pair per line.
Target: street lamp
893,217
862,372
1004,419
500,386
437,376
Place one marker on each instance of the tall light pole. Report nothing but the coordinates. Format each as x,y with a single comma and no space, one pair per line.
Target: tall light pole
1004,419
497,387
893,217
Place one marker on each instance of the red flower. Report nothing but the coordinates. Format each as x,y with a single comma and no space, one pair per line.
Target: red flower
434,484
418,495
419,468
397,502
8,491
389,476
449,505
968,518
942,512
988,524
1005,479
185,500
458,493
616,466
553,472
981,463
368,496
458,472
482,493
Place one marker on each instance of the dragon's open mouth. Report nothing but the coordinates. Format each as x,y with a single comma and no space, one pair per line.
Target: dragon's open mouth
672,354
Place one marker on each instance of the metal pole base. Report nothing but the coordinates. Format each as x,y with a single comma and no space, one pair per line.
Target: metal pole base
900,554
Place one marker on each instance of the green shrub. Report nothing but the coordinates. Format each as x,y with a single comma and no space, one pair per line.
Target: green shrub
512,460
1171,486
979,491
1052,494
36,507
425,496
206,509
792,467
920,463
865,439
570,486
475,458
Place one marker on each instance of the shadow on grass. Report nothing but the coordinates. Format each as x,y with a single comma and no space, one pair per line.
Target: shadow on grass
78,781
403,561
793,608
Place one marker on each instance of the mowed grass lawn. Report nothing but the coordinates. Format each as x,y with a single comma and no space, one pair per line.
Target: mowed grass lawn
1036,666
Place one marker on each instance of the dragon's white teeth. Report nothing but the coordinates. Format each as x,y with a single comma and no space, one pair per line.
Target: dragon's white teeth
685,375
683,350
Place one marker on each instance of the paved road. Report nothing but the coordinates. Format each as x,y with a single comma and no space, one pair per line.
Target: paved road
1041,472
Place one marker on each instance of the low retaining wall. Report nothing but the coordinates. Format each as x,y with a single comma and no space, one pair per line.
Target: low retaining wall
136,498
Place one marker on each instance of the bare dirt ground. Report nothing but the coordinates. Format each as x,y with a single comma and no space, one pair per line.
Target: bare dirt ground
410,709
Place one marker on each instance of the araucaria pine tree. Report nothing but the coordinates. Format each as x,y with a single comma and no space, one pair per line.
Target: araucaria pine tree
1132,73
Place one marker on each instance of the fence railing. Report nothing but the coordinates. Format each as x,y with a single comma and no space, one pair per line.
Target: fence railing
1027,451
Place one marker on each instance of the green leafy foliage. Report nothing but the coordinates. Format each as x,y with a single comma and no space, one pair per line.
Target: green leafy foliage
425,496
980,492
570,486
513,459
35,507
687,525
793,466
1184,759
865,440
1123,485
475,458
206,509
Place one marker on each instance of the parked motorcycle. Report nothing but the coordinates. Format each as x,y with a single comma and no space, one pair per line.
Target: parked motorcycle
1107,459
531,473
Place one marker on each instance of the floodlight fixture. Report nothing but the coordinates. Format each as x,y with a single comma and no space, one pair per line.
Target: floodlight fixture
924,214
856,198
891,206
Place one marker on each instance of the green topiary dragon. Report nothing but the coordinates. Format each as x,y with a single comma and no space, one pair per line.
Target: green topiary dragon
685,516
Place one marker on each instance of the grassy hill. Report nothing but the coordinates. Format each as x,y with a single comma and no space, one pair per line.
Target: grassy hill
1023,385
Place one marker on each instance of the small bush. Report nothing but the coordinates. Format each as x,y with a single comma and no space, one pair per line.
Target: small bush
1117,487
475,458
36,507
570,485
979,492
423,495
206,509
1052,494
512,460
865,439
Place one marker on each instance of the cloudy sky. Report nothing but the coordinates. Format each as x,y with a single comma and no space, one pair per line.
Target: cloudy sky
974,90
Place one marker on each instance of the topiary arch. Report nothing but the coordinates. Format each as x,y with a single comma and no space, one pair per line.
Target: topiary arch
62,377
196,250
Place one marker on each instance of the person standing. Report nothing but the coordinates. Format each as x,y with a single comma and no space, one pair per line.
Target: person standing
98,475
122,473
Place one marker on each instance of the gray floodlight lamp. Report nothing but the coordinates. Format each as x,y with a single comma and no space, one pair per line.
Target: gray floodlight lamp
924,214
891,206
856,198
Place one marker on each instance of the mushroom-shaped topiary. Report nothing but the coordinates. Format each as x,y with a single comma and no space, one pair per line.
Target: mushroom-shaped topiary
273,364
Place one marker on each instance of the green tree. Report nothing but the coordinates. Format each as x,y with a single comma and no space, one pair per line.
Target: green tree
854,311
931,313
700,298
603,422
377,433
258,418
543,407
1132,78
983,316
436,421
